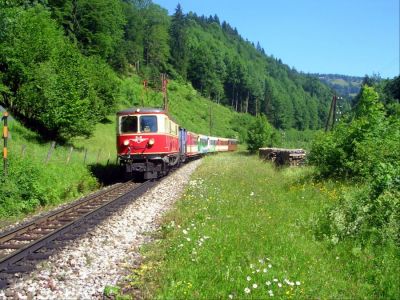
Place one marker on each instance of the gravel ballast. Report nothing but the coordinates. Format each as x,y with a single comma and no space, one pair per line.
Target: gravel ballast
98,258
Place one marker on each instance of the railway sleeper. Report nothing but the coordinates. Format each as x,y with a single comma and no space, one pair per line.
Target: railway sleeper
11,246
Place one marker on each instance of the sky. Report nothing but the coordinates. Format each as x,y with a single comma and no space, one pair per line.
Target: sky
348,37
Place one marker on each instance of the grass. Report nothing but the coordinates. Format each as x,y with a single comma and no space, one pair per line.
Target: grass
243,229
34,185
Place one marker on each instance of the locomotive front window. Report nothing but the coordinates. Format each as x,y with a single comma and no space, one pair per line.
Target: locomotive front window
148,124
129,124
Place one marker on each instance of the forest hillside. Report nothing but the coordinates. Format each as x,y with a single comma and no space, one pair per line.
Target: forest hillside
62,64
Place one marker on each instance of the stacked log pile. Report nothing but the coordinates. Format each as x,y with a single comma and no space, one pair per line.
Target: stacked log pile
292,157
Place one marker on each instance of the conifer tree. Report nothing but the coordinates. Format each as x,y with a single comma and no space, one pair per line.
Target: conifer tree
178,40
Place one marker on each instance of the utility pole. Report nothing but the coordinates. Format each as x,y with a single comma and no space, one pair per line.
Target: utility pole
144,91
332,112
164,82
210,120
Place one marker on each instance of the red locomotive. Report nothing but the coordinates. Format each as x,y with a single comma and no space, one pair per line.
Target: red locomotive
149,142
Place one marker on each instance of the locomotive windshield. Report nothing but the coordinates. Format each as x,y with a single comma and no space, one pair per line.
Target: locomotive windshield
129,124
148,124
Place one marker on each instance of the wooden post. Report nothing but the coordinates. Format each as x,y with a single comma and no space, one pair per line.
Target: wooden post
98,156
5,137
85,156
50,152
109,156
70,154
23,149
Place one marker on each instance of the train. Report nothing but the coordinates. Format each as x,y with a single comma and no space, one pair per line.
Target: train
150,143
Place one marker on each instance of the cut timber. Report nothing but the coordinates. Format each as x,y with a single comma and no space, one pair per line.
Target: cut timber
292,157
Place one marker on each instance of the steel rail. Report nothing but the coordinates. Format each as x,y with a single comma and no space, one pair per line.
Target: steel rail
9,234
7,262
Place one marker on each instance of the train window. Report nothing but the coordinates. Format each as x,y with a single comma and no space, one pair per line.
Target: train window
129,124
148,124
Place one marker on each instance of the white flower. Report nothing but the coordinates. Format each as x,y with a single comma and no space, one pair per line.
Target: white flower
268,282
188,239
269,266
255,285
230,296
252,194
258,270
279,284
261,261
265,270
184,231
248,278
247,290
297,282
271,293
275,280
251,266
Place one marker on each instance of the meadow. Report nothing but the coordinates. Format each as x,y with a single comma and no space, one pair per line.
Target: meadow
35,183
244,229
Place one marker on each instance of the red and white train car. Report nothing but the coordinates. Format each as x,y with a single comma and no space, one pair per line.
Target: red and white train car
150,142
147,141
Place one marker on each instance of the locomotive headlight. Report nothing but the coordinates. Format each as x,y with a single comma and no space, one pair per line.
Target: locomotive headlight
126,143
151,142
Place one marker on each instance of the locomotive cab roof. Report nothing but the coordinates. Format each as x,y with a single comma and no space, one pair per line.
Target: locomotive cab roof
142,110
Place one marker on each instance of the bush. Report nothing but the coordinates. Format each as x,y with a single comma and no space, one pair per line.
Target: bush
259,135
362,149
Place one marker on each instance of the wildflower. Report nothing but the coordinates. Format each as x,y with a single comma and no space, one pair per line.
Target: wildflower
258,270
269,266
188,239
261,261
275,280
265,270
230,296
255,285
252,194
279,284
180,245
297,282
271,293
251,266
268,282
247,290
248,278
184,231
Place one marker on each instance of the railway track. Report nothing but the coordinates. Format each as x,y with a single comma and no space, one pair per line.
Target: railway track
22,247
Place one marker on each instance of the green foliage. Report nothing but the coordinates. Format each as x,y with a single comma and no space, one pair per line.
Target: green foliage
178,42
363,149
52,86
259,134
31,184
